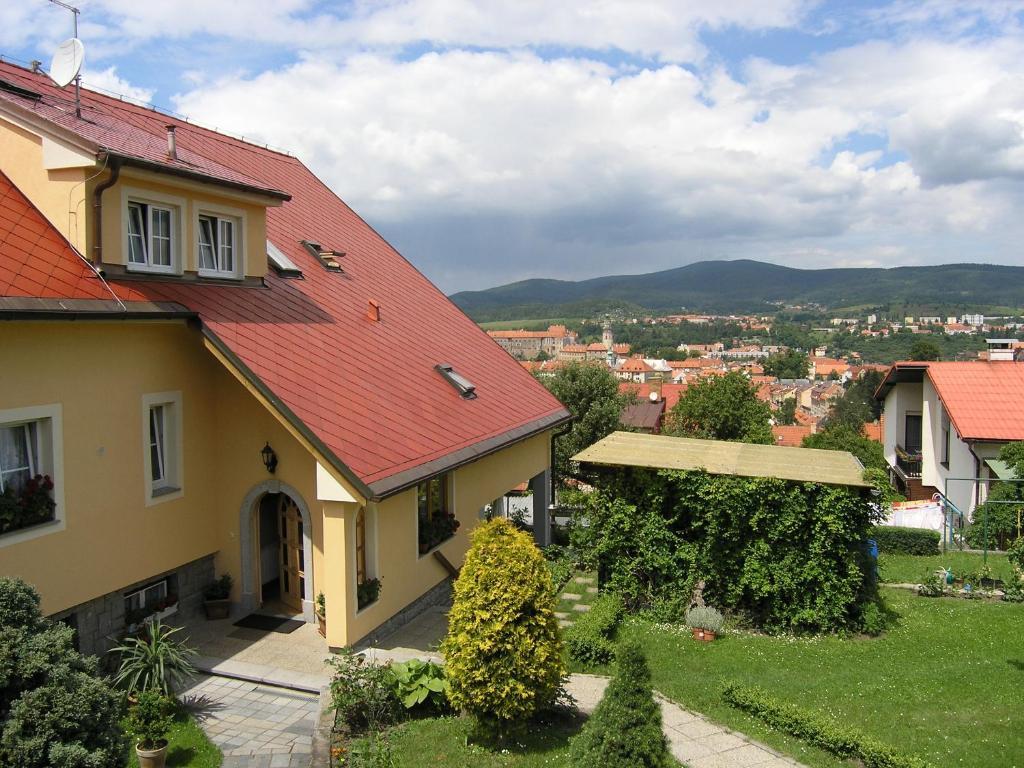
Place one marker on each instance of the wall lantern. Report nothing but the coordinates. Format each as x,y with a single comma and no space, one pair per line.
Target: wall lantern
269,458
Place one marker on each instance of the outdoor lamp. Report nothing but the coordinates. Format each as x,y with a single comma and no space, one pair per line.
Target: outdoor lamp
269,458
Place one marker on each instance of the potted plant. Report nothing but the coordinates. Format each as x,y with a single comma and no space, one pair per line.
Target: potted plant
149,721
321,614
705,622
367,592
217,597
154,661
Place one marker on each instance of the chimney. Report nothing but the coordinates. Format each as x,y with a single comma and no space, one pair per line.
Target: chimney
172,144
655,385
1000,349
373,311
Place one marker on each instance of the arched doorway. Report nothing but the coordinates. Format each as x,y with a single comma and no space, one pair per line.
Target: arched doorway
277,549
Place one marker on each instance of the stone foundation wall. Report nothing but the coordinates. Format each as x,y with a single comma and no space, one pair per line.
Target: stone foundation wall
101,622
439,595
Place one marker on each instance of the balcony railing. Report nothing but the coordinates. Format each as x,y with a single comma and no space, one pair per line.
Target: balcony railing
908,464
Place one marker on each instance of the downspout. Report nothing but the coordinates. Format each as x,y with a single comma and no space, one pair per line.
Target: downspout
97,211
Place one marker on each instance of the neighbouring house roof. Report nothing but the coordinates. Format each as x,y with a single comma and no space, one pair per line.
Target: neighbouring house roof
670,393
307,344
634,365
643,415
983,398
717,457
791,434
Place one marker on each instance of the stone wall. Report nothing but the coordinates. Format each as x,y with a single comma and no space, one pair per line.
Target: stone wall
101,622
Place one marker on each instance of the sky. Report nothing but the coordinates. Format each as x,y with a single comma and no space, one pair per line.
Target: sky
494,141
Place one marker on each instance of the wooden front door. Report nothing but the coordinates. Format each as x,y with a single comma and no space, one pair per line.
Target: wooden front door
291,557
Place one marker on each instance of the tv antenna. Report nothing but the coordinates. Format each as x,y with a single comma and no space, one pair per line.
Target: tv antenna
67,61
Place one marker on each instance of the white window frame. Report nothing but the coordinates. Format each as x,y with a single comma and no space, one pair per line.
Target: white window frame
450,474
49,461
220,215
131,197
171,485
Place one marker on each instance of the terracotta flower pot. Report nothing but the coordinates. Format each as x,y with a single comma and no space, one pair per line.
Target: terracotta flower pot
152,758
703,635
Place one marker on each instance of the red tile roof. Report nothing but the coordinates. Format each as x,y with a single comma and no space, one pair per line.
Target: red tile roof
644,415
308,341
984,400
635,365
792,435
669,392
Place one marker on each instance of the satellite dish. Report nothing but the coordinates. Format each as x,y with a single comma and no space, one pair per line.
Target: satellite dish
67,61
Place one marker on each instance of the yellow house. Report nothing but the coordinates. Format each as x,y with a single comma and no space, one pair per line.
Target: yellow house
191,327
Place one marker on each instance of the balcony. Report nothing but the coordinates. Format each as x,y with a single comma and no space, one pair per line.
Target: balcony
908,463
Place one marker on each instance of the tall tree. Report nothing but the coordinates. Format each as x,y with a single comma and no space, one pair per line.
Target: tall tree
786,415
925,349
842,437
591,393
787,365
857,405
722,408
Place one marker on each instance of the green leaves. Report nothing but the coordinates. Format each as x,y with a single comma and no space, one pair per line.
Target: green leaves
722,408
417,681
156,660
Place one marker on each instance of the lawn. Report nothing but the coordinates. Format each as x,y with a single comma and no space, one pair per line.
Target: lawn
943,684
187,746
914,569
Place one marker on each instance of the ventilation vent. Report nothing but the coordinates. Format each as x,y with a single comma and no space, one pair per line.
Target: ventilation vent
326,256
465,388
373,310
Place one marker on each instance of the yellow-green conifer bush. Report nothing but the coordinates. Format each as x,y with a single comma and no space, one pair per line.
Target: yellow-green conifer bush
503,652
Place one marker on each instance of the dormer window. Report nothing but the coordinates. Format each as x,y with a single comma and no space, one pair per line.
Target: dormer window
151,243
218,246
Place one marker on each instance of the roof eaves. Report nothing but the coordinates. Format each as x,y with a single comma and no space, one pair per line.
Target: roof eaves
30,308
401,481
173,170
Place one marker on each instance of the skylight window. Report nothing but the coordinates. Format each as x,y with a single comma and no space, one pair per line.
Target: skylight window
465,388
284,266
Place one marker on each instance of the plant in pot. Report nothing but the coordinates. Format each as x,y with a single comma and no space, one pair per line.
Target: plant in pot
706,622
367,592
154,661
217,597
321,614
149,720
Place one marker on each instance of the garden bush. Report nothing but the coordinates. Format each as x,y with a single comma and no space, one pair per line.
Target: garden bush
625,729
818,729
503,650
789,556
706,618
418,683
590,639
561,562
896,540
155,660
362,694
55,710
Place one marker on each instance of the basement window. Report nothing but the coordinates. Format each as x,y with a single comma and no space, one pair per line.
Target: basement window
465,388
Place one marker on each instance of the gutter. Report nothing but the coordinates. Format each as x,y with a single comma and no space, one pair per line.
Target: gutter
206,178
97,210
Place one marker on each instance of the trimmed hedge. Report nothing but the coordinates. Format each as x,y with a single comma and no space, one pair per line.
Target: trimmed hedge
590,639
819,730
896,540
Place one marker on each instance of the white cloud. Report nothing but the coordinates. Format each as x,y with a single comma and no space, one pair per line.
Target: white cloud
108,80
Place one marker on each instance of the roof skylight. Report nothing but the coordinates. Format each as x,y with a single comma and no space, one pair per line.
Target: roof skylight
284,266
465,388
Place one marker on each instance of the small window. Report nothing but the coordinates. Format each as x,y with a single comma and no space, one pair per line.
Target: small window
945,438
163,454
218,246
26,487
435,516
151,244
281,263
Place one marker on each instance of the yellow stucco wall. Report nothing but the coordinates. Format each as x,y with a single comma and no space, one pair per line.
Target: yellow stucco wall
58,194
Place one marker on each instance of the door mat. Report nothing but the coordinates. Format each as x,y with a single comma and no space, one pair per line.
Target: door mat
269,623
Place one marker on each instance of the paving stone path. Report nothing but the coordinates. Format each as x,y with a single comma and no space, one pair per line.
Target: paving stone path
254,724
694,741
571,600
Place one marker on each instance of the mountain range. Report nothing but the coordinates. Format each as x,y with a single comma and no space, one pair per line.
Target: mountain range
749,286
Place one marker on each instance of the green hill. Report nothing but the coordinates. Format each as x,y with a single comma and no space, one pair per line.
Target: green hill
750,286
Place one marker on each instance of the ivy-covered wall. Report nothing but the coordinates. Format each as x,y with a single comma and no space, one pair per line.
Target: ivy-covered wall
789,556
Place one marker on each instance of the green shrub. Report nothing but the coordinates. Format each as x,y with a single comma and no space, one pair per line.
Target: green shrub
219,589
155,660
590,638
1015,554
625,729
503,650
419,684
706,618
55,711
561,562
897,540
818,729
150,718
362,694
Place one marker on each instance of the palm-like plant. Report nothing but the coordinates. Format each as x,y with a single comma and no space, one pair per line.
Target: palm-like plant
155,661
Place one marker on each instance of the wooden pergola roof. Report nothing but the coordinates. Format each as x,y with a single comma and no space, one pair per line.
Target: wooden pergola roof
717,457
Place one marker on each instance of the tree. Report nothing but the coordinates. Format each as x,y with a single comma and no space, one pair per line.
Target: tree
925,349
503,650
857,405
786,414
787,365
54,708
625,729
842,437
591,393
999,525
722,408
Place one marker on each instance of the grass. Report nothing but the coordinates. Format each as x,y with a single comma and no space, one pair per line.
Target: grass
574,588
443,741
914,569
187,745
943,684
529,325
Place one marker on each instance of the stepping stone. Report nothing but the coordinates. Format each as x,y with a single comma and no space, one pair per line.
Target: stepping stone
581,607
564,623
570,596
561,615
584,579
591,590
